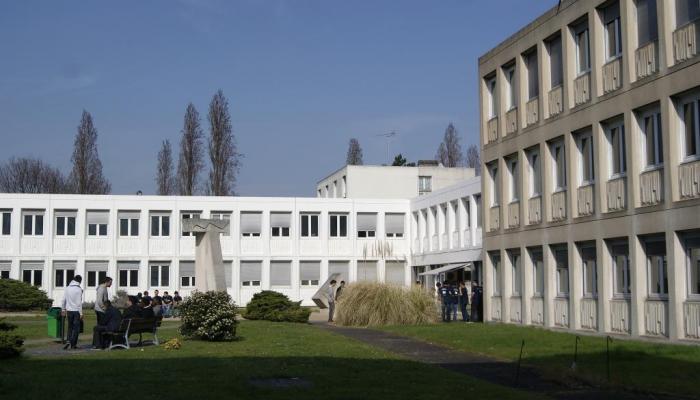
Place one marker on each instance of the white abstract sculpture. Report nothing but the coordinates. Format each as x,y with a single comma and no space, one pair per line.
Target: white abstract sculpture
209,264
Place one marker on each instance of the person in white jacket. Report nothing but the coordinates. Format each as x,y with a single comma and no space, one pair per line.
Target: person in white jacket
72,307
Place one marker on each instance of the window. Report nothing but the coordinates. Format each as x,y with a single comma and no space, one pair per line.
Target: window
97,223
556,68
279,224
394,225
517,277
309,225
562,267
128,274
65,223
686,11
309,273
189,215
655,250
613,31
160,275
280,273
496,264
533,79
583,61
618,158
511,96
251,272
495,185
691,131
250,224
559,165
514,179
367,271
341,268
33,223
96,273
590,282
425,184
338,225
621,270
647,28
585,148
650,124
32,272
5,269
160,225
63,274
692,251
223,216
538,275
5,222
129,223
395,272
366,225
187,274
535,172
492,103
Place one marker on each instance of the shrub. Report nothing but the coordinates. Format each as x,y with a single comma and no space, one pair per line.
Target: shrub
119,299
10,344
269,305
20,296
208,316
377,304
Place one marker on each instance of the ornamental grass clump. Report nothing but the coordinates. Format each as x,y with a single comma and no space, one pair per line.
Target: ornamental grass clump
269,305
378,304
208,316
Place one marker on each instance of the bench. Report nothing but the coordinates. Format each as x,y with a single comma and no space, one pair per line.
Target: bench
133,326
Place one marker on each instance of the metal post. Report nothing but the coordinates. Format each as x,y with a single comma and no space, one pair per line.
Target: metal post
576,342
520,358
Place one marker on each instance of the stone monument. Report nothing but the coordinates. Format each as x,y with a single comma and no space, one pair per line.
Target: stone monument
208,265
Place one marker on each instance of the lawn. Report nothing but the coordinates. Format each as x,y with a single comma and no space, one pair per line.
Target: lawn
331,366
633,364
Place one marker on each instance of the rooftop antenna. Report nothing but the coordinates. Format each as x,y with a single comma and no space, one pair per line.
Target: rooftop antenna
388,137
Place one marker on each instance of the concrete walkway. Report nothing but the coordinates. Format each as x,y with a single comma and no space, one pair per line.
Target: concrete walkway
481,367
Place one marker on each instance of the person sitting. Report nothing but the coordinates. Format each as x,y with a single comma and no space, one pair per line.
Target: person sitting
157,307
110,323
146,297
167,303
133,310
146,310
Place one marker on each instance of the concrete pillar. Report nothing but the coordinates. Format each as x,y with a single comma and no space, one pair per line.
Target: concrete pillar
550,284
676,263
506,272
596,34
638,285
666,14
575,286
633,142
527,277
488,280
628,23
474,219
601,167
605,284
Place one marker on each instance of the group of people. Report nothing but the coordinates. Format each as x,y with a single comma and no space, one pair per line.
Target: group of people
451,296
108,316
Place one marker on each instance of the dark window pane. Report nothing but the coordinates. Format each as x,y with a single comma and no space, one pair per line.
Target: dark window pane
165,230
334,225
70,274
28,224
154,275
60,226
304,225
343,226
134,227
27,276
4,274
6,218
39,222
133,277
103,229
37,277
71,226
164,275
314,225
58,282
184,281
154,226
123,227
101,276
275,231
91,278
123,277
285,232
92,230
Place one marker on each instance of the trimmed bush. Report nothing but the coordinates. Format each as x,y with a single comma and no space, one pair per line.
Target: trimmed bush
208,316
10,344
269,305
378,304
19,296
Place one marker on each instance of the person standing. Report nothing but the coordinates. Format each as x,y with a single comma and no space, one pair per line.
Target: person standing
454,300
110,323
167,303
444,295
340,290
331,300
463,301
101,297
72,307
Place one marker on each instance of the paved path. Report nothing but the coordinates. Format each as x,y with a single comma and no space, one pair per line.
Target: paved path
481,367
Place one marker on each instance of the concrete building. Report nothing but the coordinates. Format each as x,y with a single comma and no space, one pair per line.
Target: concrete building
387,182
591,157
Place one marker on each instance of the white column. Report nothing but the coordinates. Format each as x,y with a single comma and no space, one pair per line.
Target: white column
575,286
638,285
676,262
550,284
527,279
605,284
474,218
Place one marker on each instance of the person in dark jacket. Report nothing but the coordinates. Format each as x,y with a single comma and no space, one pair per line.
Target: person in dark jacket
463,301
146,310
444,295
110,323
339,290
133,310
454,300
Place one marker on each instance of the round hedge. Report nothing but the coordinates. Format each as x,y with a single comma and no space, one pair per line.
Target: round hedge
208,316
20,296
269,305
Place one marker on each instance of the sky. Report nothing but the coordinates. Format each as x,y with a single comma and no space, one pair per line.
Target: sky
302,77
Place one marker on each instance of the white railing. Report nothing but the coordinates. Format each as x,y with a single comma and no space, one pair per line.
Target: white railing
516,307
556,101
685,42
620,316
561,312
646,60
616,194
128,247
532,109
514,214
496,314
582,89
492,129
251,245
511,121
65,245
656,317
585,200
98,246
494,218
282,246
612,75
651,187
534,210
160,247
689,174
559,205
691,319
537,311
445,242
589,314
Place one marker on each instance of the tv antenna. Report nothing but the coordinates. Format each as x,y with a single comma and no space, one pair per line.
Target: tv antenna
388,136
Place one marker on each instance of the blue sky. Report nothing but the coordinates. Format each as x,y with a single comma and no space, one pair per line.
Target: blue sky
302,77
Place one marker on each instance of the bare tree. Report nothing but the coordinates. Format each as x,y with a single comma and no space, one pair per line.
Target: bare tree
223,153
86,176
450,151
473,159
191,159
28,175
354,156
165,181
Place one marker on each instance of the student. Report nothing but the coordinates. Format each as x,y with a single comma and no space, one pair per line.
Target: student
177,300
146,297
146,310
157,307
167,303
331,300
156,295
133,310
444,295
110,323
72,307
340,289
101,297
475,302
463,301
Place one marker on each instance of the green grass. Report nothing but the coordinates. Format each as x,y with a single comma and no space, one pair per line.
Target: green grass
634,364
336,367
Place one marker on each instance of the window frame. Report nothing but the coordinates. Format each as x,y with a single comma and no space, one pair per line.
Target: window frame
65,276
5,222
560,61
191,283
159,269
509,72
337,218
657,139
495,185
694,101
33,276
618,168
163,221
653,35
190,215
131,275
616,25
491,90
582,30
132,225
496,266
34,216
306,228
535,166
98,276
517,274
528,58
691,245
559,166
223,216
280,231
586,157
397,235
626,281
67,220
422,186
513,179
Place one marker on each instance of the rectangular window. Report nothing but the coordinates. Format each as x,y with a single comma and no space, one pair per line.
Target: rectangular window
562,267
425,184
585,147
514,179
189,215
160,275
97,223
691,130
583,61
6,220
686,11
496,264
492,101
692,251
223,216
538,273
309,225
367,271
129,223
590,277
279,224
556,64
187,274
309,273
96,273
128,274
251,272
341,268
160,225
517,277
63,276
613,31
618,158
280,273
477,200
652,138
495,185
366,225
5,269
65,223
33,223
655,250
535,173
394,225
533,77
338,225
32,276
647,27
559,156
621,270
250,224
511,94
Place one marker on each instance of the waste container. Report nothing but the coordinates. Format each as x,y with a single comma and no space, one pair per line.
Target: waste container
54,321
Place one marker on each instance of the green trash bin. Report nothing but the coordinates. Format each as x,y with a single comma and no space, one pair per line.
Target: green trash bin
54,322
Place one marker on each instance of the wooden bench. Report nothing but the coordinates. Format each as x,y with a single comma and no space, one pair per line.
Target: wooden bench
133,326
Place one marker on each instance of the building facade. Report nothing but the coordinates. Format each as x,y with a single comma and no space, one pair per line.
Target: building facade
591,157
